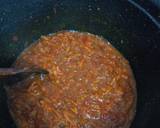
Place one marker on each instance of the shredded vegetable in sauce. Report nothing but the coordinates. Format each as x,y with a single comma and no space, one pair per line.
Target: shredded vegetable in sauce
89,85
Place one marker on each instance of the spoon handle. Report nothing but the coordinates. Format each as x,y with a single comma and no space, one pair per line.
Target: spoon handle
4,72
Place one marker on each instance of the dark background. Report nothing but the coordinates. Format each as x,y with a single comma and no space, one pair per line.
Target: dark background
131,31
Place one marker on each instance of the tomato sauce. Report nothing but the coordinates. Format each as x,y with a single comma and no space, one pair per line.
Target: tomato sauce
89,85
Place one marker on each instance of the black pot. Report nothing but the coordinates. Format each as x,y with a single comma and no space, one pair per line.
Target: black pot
126,24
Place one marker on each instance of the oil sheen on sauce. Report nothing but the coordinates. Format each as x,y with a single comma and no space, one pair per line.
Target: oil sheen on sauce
89,85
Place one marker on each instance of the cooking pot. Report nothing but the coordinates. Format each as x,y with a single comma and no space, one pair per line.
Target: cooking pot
131,27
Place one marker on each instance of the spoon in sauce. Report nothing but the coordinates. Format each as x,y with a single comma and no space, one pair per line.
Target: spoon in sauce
9,72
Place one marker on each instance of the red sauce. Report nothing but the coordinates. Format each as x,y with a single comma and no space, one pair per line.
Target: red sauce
90,84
